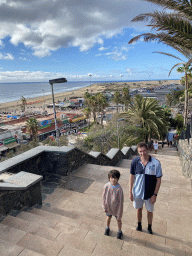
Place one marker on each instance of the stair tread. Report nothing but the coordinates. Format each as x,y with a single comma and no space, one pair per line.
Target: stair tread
10,234
27,252
30,217
40,245
9,249
14,222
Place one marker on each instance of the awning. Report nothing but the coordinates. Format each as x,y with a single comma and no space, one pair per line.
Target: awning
13,145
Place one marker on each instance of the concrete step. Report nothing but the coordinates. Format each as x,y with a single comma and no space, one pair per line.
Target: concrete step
10,234
40,245
37,219
31,227
49,217
9,249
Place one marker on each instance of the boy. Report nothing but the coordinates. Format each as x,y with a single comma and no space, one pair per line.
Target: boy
113,201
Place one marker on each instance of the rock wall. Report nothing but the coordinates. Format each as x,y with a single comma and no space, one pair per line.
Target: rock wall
185,153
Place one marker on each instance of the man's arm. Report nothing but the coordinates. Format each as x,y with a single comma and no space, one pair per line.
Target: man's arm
131,182
158,184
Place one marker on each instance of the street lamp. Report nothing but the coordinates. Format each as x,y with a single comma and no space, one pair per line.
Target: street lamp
118,120
90,78
55,81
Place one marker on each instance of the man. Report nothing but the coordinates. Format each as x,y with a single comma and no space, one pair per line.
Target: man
145,181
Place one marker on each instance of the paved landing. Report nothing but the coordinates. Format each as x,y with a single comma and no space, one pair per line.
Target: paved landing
72,222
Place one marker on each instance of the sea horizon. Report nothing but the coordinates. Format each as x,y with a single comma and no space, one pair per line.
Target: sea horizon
14,91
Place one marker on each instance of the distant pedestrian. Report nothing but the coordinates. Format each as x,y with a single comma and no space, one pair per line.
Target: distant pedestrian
155,146
169,136
150,145
113,199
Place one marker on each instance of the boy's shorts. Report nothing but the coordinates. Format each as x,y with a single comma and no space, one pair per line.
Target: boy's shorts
138,203
108,215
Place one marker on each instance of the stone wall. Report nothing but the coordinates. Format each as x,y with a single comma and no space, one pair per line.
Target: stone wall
185,153
17,199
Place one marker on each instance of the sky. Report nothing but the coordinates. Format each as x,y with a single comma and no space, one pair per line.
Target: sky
80,40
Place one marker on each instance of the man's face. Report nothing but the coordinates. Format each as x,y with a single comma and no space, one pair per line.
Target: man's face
143,152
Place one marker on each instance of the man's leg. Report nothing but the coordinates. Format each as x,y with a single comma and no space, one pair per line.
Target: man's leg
139,219
138,204
150,217
139,214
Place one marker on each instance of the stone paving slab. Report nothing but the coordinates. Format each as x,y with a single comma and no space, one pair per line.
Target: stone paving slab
14,222
42,231
26,252
10,234
40,245
37,219
9,249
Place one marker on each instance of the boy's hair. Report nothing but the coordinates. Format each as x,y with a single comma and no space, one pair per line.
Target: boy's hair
114,174
142,144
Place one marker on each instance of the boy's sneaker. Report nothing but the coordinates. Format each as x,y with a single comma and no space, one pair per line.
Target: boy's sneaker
119,235
150,231
107,230
139,228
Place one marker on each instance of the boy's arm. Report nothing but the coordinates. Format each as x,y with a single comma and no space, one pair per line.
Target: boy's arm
131,182
120,207
103,198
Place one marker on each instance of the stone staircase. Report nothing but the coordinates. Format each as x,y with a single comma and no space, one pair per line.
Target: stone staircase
71,220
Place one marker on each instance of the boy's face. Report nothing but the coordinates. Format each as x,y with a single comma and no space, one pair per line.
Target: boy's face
113,181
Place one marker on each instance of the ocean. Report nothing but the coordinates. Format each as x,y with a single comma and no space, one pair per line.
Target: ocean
14,91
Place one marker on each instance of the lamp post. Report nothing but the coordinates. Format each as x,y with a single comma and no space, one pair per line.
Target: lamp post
90,78
118,120
54,81
43,101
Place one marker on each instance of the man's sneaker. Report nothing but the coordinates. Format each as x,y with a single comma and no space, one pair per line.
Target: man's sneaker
139,228
150,231
119,235
107,230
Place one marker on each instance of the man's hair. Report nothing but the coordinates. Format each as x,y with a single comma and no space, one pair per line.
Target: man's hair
142,144
114,174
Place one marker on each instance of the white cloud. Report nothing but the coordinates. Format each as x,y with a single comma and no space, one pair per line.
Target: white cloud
45,26
7,56
119,52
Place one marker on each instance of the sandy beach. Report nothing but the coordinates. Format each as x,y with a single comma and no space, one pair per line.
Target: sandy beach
38,102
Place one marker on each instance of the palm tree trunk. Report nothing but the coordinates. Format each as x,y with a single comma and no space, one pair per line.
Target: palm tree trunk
186,100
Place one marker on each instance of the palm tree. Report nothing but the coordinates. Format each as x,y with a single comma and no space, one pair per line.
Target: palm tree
32,127
101,105
184,69
23,100
117,99
172,28
90,101
147,114
126,97
87,112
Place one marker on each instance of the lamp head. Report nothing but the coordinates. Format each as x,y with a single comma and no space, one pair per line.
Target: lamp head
58,80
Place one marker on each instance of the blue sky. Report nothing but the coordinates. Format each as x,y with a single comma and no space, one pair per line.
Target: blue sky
43,39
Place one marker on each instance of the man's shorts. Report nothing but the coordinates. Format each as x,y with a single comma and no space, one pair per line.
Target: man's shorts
138,203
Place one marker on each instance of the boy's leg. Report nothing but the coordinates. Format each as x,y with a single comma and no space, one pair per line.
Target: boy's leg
119,233
108,221
107,229
119,224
